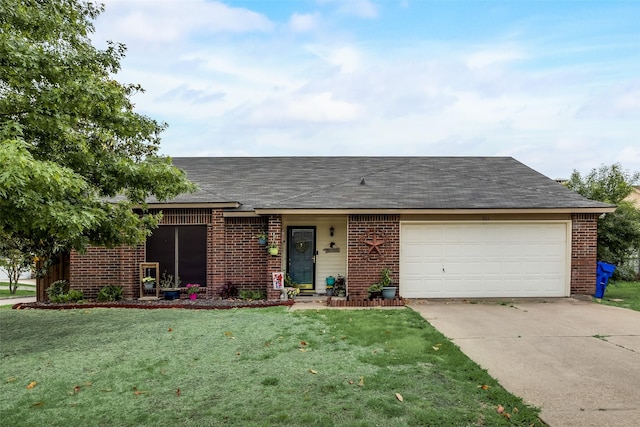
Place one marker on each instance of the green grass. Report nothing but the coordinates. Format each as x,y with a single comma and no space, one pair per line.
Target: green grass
628,292
24,290
242,367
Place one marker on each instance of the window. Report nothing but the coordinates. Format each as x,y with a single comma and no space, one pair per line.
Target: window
181,251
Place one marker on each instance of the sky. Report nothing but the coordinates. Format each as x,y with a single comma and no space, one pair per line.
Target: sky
554,84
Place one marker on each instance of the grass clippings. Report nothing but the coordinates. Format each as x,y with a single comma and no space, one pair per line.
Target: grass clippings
242,367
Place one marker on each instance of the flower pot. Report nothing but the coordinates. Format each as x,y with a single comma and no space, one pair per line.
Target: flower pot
193,296
329,292
273,251
148,286
262,241
171,294
330,281
389,292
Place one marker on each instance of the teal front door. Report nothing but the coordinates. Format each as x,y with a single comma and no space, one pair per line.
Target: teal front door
301,256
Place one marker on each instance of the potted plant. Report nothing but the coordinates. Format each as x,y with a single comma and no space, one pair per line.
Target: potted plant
384,287
388,290
170,287
149,283
192,290
340,288
262,238
375,291
273,249
330,282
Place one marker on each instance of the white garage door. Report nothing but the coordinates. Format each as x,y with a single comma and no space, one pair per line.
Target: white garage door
466,260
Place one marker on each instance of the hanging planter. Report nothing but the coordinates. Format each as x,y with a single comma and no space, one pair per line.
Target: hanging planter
273,250
262,239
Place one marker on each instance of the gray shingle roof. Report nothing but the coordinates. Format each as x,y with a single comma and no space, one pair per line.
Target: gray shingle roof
389,183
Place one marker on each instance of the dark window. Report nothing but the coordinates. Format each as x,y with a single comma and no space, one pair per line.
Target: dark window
181,251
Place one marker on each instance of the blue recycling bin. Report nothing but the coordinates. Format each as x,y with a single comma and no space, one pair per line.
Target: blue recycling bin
604,271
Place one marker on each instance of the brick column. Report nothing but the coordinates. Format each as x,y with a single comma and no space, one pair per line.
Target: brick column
215,254
584,249
365,263
274,263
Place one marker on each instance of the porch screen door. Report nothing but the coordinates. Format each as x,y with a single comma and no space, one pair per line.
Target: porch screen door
301,251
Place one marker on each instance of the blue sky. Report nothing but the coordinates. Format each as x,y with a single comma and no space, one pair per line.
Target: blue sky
555,84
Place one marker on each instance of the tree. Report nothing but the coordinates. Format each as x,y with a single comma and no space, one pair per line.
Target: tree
15,260
618,232
76,159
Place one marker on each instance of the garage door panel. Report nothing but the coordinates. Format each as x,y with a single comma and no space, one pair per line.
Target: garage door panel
483,260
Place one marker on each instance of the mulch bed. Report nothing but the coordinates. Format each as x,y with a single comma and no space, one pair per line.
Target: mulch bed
199,304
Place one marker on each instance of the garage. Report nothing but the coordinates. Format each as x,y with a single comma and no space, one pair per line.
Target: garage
484,259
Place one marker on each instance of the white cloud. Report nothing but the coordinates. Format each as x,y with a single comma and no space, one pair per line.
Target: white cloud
167,21
347,58
304,22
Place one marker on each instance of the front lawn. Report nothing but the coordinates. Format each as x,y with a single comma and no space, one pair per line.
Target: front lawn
623,294
242,367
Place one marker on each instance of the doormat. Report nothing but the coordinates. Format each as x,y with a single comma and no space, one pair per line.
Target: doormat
397,302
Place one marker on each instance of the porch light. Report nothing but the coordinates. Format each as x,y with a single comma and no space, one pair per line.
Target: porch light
331,230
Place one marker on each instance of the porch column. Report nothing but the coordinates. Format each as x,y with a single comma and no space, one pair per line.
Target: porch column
215,254
274,262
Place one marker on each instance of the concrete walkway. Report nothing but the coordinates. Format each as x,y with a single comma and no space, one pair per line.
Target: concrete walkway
577,360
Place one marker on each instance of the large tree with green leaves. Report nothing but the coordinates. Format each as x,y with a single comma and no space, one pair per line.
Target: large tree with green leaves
70,140
618,232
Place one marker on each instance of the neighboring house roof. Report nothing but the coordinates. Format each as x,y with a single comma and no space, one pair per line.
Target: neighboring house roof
375,183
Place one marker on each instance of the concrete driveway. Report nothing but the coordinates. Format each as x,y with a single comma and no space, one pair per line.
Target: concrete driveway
577,360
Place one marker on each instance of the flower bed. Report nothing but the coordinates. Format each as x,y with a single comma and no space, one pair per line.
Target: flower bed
199,304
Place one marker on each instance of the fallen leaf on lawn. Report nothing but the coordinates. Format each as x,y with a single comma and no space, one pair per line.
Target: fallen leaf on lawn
484,386
361,383
139,392
31,385
87,312
228,334
507,415
238,354
350,382
37,404
515,410
436,347
302,349
11,379
105,389
303,343
313,371
500,409
178,392
399,397
170,329
88,384
76,389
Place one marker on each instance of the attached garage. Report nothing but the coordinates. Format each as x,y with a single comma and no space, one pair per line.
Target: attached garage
485,259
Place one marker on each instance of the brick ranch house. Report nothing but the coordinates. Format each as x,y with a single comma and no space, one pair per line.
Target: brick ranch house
446,227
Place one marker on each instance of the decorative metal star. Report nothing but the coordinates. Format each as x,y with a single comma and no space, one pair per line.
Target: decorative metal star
374,244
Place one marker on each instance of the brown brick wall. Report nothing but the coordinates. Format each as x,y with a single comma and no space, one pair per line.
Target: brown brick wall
99,267
365,264
245,260
584,236
216,243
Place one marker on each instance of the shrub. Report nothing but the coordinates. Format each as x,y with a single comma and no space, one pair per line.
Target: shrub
110,293
56,290
229,290
252,294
